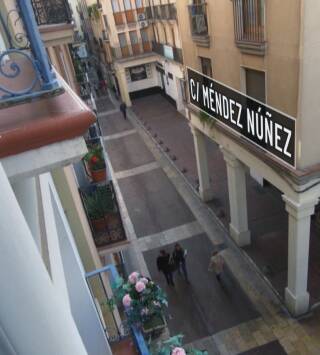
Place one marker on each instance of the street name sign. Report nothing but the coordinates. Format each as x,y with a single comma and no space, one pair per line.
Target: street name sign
262,125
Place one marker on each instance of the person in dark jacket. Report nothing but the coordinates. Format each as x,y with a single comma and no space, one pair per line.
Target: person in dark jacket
179,257
123,109
164,265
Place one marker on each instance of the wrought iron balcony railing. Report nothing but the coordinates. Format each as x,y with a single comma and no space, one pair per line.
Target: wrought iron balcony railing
52,12
25,71
167,51
162,12
198,19
131,50
249,24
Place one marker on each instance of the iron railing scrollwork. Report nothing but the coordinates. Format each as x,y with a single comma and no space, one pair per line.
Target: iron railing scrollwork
50,12
25,71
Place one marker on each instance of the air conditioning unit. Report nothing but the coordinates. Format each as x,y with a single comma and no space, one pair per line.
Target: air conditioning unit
141,17
143,24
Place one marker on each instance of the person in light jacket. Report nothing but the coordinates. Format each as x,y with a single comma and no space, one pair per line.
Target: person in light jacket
216,264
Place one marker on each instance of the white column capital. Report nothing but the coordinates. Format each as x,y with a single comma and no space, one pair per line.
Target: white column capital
300,210
230,158
194,130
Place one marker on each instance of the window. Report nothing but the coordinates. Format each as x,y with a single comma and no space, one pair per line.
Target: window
115,6
144,35
206,67
127,4
255,84
173,37
139,4
133,37
105,20
122,40
249,20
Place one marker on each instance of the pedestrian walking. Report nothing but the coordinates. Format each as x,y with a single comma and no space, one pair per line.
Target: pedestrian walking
179,257
165,265
123,109
216,264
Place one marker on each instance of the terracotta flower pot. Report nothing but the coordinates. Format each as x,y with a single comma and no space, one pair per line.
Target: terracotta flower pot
98,175
99,225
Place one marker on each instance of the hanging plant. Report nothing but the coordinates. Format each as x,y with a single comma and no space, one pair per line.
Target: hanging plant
206,119
93,12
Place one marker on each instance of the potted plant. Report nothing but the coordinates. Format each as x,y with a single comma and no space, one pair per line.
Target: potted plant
96,163
144,302
96,210
173,346
100,206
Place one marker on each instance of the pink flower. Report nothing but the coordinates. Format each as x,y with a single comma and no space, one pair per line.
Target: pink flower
144,280
133,277
140,286
178,351
126,301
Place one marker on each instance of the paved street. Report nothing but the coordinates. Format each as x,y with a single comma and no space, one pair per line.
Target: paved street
266,213
243,316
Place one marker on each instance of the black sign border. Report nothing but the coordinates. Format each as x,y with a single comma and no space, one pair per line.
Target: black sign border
238,133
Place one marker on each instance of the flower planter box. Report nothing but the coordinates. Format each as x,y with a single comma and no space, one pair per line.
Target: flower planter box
154,327
99,225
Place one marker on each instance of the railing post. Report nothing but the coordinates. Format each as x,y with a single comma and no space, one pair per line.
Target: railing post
37,47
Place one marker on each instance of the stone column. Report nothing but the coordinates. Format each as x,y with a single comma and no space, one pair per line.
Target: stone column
205,189
296,294
237,199
123,86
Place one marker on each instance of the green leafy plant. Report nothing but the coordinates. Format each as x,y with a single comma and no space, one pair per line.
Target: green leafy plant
93,11
99,203
206,119
95,158
144,300
173,346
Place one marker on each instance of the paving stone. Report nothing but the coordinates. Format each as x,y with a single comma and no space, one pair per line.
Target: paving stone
273,348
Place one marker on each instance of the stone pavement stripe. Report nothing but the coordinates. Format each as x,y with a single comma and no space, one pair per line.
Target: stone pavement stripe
169,236
241,338
119,135
135,171
106,113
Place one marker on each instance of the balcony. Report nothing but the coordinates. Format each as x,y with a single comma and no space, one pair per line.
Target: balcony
168,52
101,201
55,22
249,26
123,338
172,12
25,69
199,24
131,50
51,12
166,12
149,13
